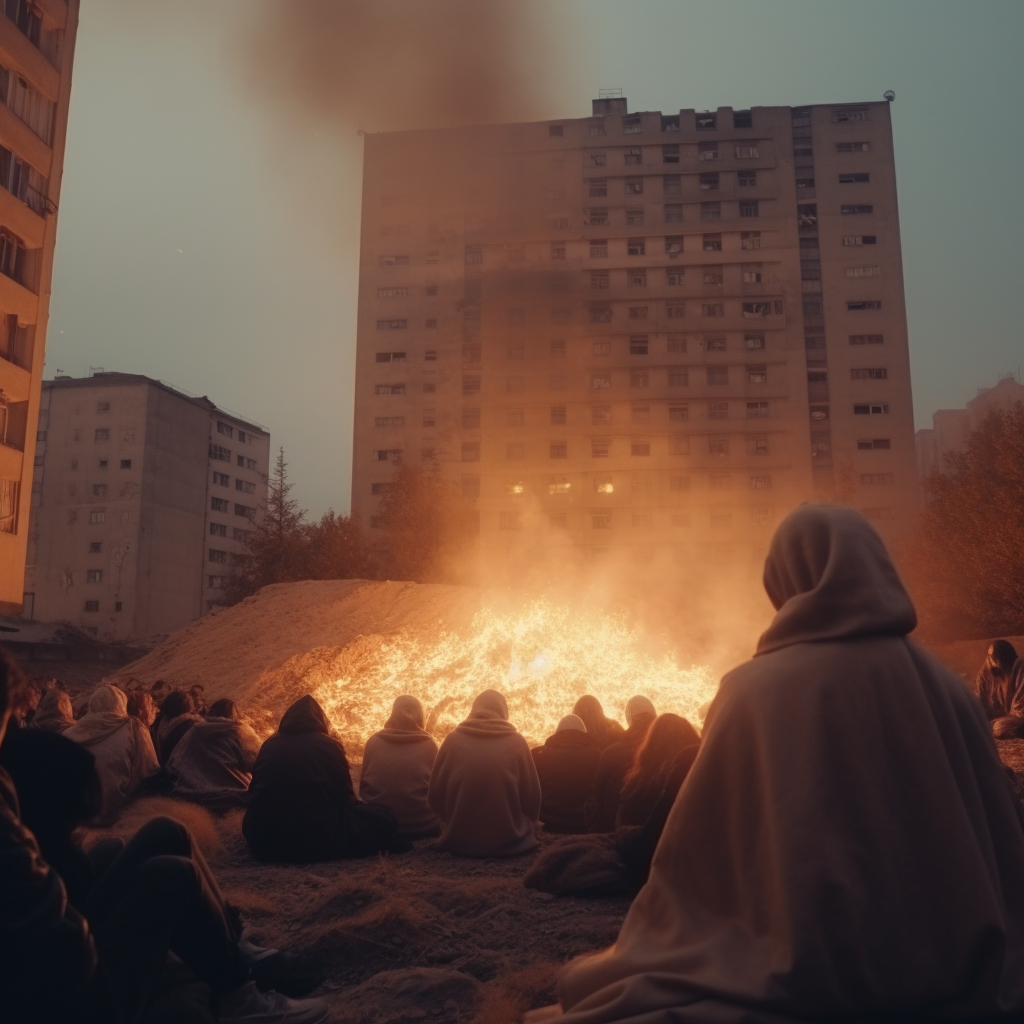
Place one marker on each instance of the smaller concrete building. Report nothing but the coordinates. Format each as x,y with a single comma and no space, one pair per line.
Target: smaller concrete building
951,427
142,498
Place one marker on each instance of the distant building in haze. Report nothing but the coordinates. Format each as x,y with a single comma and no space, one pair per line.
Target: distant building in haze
951,427
37,45
645,332
143,495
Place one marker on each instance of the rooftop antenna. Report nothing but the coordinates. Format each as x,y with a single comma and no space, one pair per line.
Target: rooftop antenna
610,94
889,95
93,370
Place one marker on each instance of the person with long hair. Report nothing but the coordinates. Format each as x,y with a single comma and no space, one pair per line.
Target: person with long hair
666,753
992,684
602,730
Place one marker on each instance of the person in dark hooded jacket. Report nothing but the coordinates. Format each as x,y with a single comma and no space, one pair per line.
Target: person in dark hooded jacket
566,766
301,806
602,730
616,760
993,684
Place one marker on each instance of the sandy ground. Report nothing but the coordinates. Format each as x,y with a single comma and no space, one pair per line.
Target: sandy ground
420,936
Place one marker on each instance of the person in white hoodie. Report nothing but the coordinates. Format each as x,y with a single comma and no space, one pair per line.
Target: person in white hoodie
484,786
396,770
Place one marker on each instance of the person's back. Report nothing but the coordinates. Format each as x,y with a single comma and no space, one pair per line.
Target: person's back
846,845
395,774
55,713
212,763
566,766
484,785
615,762
601,729
176,716
121,745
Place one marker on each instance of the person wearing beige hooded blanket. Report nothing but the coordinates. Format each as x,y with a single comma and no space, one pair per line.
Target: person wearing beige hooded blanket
396,769
121,745
846,845
484,785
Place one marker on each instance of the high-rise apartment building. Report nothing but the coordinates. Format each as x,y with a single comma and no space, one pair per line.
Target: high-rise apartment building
37,44
142,498
642,331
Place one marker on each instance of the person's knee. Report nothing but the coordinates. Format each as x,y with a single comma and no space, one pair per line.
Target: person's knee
169,877
166,837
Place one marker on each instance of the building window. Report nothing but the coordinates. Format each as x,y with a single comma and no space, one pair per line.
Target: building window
713,275
101,434
757,444
637,312
515,417
558,415
386,389
678,412
392,325
866,339
707,122
601,520
92,606
878,409
642,520
635,246
99,490
854,179
635,217
600,414
631,124
675,277
379,421
876,478
515,452
126,463
671,185
634,186
757,374
97,516
598,159
853,147
639,378
470,451
640,414
878,443
712,309
678,377
712,243
600,314
746,179
849,115
757,410
750,240
872,373
639,344
600,380
248,512
598,248
860,305
710,211
860,239
746,152
248,487
600,449
639,449
851,209
558,450
390,357
753,342
673,245
752,273
720,482
220,504
819,413
715,343
216,555
718,410
709,181
749,208
599,279
218,530
557,349
94,576
756,310
601,348
471,385
558,250
863,271
636,278
556,382
760,482
597,188
604,485
673,213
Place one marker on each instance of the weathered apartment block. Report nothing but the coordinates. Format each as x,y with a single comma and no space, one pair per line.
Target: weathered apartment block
37,43
143,496
640,331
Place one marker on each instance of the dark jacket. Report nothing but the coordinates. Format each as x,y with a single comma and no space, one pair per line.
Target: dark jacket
637,804
566,766
301,806
44,944
616,761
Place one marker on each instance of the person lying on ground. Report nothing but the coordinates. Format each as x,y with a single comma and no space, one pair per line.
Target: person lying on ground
101,966
301,806
121,745
669,747
55,712
616,761
566,765
396,770
484,785
847,844
602,730
176,716
212,763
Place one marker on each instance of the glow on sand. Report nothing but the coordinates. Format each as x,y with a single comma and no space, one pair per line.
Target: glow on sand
541,658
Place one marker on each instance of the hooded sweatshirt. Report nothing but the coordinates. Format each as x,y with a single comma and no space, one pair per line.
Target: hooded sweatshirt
121,745
616,760
566,766
846,845
396,770
211,763
484,785
54,713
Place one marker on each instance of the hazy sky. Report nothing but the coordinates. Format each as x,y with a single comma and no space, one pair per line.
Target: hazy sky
206,241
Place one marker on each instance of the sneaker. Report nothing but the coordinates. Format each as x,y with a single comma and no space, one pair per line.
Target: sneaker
248,1005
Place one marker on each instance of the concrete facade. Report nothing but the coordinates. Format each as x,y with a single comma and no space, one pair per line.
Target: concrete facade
642,332
951,428
142,497
37,44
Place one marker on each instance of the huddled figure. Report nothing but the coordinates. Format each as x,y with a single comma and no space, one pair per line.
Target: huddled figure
616,760
566,765
998,686
176,716
55,712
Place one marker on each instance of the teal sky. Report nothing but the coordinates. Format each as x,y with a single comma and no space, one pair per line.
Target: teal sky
210,240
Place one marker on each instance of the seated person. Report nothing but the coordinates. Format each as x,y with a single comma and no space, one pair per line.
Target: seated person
616,760
667,751
142,706
846,846
212,763
102,962
176,716
396,770
602,730
484,785
996,686
121,745
55,712
566,766
301,806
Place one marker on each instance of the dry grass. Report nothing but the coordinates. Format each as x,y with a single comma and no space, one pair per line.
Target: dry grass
512,993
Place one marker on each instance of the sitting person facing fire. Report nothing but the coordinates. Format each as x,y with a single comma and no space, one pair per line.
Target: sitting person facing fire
846,845
484,785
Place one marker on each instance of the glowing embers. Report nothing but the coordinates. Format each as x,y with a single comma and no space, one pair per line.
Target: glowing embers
542,658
